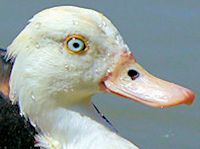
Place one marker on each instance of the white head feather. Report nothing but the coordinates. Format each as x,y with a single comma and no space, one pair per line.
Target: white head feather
43,67
46,76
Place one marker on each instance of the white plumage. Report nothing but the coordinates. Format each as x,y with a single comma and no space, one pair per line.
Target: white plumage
54,87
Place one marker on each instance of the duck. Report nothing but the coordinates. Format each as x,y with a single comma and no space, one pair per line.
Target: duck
64,56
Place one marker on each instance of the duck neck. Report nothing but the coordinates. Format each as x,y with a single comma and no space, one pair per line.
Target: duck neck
72,122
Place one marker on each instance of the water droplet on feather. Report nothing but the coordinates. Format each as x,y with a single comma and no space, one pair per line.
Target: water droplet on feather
103,24
37,45
67,67
33,98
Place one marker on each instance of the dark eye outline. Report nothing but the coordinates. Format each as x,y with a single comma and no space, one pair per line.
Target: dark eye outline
78,37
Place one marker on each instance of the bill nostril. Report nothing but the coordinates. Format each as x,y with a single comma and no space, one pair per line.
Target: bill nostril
133,74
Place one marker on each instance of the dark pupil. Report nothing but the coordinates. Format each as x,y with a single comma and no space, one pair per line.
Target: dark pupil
76,45
133,74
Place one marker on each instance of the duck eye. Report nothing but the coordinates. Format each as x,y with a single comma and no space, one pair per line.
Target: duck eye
76,44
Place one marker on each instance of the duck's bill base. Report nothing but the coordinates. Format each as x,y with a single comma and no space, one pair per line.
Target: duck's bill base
142,87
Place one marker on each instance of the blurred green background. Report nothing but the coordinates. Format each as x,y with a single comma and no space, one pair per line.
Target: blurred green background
164,37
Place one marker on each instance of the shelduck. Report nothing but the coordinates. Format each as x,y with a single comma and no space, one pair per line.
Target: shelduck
62,58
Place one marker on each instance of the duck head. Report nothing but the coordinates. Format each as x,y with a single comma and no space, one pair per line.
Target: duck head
74,52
